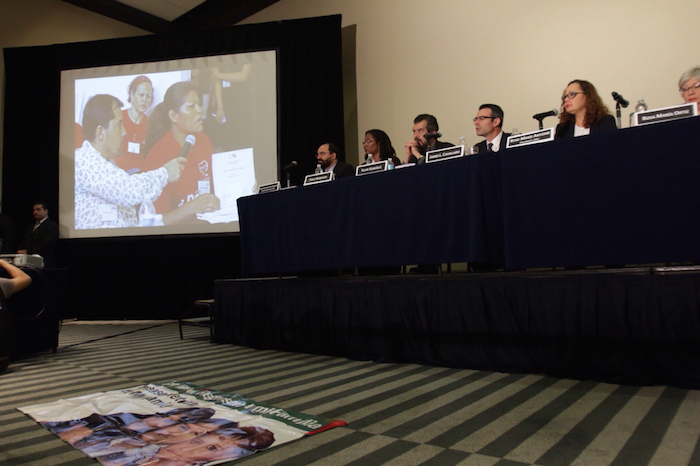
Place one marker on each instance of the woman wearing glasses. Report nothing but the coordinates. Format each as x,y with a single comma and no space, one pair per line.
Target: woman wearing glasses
689,86
378,145
582,112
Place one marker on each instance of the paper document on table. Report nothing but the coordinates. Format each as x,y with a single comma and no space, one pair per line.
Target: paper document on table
233,174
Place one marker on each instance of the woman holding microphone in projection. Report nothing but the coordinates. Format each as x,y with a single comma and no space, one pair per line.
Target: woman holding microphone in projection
172,123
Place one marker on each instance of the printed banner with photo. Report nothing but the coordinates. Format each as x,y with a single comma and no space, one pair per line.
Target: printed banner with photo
172,423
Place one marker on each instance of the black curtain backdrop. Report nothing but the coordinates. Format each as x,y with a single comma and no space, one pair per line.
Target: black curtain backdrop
158,277
631,328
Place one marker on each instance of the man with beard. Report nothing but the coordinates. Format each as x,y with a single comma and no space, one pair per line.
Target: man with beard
327,157
423,125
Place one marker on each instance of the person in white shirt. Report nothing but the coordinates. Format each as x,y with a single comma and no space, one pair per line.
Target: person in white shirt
105,195
488,123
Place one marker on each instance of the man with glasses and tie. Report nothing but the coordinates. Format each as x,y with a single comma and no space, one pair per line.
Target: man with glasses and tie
41,238
425,138
489,123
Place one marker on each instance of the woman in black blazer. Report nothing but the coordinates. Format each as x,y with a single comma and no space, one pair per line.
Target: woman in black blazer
582,111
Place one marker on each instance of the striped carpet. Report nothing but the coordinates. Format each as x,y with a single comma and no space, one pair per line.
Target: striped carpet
398,414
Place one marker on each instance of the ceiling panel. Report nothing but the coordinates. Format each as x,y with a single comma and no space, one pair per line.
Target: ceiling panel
165,9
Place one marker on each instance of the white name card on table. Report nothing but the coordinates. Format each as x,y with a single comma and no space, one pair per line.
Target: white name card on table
269,187
317,178
448,153
533,137
375,167
659,115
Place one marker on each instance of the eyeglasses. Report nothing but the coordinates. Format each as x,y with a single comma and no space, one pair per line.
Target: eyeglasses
368,141
481,118
571,95
685,89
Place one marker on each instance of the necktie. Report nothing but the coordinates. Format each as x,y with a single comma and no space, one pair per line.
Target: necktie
489,146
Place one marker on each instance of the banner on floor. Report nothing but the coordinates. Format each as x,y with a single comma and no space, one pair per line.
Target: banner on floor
172,423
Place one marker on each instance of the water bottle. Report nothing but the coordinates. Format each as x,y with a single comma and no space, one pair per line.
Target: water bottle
318,168
370,159
641,106
461,141
390,164
147,213
515,131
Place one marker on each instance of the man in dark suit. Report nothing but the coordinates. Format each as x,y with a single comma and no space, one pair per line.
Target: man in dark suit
327,156
41,238
423,125
489,124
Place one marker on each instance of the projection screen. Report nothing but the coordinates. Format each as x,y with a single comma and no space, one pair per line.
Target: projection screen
232,103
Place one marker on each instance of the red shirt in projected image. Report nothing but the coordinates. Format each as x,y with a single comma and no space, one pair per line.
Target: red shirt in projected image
132,156
194,179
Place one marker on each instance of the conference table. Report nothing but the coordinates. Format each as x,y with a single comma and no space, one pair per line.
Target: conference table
630,196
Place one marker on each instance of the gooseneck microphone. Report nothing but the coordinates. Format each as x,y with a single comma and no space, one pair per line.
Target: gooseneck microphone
543,115
291,165
435,135
621,103
187,146
620,100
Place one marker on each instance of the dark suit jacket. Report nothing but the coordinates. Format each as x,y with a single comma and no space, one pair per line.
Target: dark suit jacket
566,130
343,170
482,145
42,241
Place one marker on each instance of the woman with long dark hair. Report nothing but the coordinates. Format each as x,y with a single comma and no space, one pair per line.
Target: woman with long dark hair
582,111
178,116
378,145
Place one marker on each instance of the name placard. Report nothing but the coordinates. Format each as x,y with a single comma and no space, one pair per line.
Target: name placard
317,178
375,167
658,115
448,153
533,137
269,187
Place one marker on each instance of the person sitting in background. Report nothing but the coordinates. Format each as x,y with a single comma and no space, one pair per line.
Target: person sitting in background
582,112
105,195
378,146
8,286
135,121
689,86
424,124
18,280
327,157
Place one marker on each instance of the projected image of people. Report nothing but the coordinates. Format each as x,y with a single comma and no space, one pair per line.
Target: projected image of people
172,121
105,195
135,120
210,114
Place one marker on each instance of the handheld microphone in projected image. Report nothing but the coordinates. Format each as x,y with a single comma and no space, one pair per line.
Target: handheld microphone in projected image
189,142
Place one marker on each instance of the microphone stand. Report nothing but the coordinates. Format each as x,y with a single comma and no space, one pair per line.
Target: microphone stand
619,114
288,179
539,120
